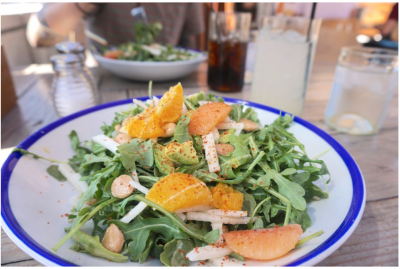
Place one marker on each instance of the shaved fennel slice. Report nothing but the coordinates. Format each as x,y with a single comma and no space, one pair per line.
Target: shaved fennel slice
134,212
208,252
138,186
217,218
106,142
139,103
228,213
211,153
72,177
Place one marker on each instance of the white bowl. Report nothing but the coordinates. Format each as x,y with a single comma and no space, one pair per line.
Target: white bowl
155,71
32,203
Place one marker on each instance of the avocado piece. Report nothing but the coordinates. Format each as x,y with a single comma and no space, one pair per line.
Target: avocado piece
225,137
165,165
195,98
182,153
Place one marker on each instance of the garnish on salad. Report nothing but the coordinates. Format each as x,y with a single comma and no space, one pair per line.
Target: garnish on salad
145,49
190,178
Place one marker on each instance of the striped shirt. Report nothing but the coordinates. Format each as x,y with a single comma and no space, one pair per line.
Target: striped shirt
114,22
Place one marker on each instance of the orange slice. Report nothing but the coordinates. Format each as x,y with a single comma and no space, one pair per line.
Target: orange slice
226,197
170,107
207,117
145,127
179,191
264,244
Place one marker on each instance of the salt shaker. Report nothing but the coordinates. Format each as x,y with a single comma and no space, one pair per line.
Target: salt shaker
73,86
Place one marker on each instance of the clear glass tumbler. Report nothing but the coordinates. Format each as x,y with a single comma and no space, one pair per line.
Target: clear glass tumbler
284,57
365,79
228,37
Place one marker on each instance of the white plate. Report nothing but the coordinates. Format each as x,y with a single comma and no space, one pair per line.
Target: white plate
156,71
32,202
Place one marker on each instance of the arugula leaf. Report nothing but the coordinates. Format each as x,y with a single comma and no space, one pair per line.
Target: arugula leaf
136,151
91,158
175,252
149,245
249,203
291,190
236,256
241,155
258,224
138,231
181,133
212,236
236,112
53,171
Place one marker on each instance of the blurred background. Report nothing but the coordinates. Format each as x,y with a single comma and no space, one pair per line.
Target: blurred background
351,22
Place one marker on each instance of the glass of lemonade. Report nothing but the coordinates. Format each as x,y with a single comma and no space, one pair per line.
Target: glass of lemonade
364,83
284,56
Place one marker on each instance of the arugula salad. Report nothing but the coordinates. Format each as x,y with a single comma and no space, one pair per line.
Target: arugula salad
187,178
145,49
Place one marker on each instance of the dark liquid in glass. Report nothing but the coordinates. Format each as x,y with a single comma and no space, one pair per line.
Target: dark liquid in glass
226,66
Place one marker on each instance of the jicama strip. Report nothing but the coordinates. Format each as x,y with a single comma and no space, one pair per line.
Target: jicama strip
215,135
208,252
134,212
228,213
194,208
139,103
184,108
156,100
208,102
228,120
230,125
215,226
211,153
217,218
154,51
106,142
181,216
138,186
72,177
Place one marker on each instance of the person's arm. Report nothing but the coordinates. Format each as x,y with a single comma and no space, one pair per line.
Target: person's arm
54,22
194,26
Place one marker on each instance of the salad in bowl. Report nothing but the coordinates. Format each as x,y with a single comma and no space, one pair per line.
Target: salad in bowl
188,179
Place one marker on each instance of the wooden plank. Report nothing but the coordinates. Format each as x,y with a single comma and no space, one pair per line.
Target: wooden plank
10,253
374,242
27,263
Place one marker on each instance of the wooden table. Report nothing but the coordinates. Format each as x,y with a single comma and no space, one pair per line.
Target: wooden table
374,242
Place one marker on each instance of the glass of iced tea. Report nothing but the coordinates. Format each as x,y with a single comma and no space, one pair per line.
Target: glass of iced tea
228,37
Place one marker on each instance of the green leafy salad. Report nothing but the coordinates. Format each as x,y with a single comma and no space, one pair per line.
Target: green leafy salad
214,182
146,49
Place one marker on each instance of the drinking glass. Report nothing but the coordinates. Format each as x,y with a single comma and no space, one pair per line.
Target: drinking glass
365,79
284,57
228,37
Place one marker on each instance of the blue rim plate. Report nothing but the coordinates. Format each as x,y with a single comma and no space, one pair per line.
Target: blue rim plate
31,247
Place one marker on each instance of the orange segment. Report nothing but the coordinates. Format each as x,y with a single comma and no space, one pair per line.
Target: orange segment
264,244
207,117
170,107
226,197
145,127
113,54
180,191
